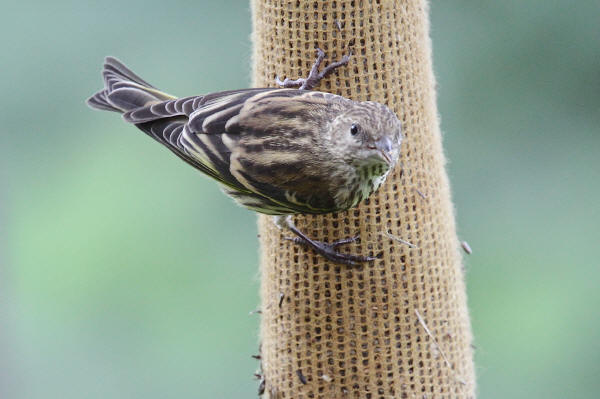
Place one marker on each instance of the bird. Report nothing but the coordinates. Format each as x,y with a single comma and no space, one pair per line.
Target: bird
277,151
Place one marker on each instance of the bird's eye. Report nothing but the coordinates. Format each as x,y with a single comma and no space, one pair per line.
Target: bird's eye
354,129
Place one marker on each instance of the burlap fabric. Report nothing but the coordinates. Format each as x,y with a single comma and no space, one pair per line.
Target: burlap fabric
397,327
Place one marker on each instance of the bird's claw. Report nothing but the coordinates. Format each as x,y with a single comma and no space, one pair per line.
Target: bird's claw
328,250
314,77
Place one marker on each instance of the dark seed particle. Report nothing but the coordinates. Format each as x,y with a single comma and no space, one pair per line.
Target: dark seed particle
301,377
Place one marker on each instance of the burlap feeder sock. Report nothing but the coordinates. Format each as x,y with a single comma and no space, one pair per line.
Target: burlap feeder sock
397,327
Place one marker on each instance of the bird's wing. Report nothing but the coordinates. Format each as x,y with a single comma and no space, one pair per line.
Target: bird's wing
206,130
167,122
267,144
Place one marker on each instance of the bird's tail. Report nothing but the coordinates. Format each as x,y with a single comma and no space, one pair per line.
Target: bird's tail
124,90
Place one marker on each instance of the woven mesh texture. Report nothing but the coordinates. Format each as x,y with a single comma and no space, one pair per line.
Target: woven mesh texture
397,327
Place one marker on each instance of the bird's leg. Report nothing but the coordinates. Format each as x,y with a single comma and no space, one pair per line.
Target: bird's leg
322,248
314,77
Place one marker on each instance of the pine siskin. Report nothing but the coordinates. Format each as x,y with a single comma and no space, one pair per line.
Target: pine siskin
275,151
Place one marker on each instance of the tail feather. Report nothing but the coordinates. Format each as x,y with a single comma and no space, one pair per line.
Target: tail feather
114,70
124,90
100,101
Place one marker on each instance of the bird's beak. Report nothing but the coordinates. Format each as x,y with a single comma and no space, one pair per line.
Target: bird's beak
384,145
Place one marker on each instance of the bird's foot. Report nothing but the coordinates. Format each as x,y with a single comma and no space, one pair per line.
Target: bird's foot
328,250
314,77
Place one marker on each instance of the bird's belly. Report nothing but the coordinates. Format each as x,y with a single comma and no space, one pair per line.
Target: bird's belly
358,190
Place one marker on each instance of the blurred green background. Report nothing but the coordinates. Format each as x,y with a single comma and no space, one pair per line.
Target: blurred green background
126,275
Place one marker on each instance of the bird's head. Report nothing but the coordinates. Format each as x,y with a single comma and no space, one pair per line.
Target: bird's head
367,134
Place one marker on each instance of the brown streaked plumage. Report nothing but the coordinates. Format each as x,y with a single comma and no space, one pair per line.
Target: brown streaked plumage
276,151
